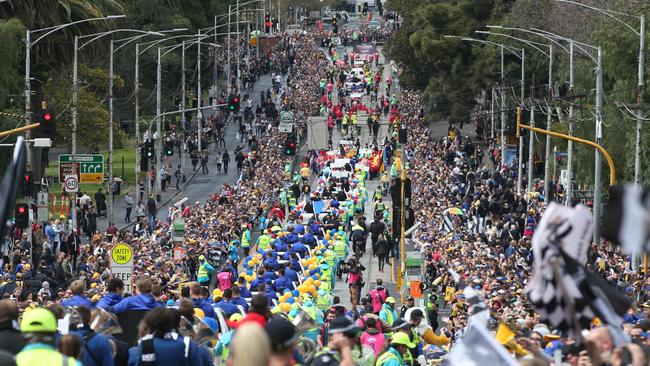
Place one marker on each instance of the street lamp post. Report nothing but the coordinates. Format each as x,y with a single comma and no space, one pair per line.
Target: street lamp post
640,75
75,91
112,51
28,51
598,111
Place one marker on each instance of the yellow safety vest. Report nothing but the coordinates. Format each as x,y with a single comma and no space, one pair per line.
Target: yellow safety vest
323,301
244,240
386,356
265,242
43,356
340,249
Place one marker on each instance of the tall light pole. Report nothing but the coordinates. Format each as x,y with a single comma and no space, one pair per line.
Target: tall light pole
521,57
598,111
552,41
112,51
94,37
28,51
640,76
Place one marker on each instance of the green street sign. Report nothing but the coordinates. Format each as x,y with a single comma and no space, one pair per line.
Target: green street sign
89,167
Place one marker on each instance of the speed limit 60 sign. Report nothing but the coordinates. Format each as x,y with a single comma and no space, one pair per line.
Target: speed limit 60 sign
71,183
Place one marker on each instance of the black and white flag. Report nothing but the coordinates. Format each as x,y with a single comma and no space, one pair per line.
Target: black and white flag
626,218
477,348
561,289
479,311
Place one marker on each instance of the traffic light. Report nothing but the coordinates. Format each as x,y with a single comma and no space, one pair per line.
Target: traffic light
47,120
169,149
268,24
365,8
144,160
231,103
28,184
236,102
22,215
335,26
290,147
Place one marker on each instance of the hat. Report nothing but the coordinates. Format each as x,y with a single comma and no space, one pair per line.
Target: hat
38,320
399,324
417,314
199,312
236,317
345,325
281,332
201,257
403,339
390,300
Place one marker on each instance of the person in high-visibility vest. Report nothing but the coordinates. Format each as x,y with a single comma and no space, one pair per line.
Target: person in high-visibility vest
341,250
399,346
204,273
264,242
324,300
246,240
39,325
387,312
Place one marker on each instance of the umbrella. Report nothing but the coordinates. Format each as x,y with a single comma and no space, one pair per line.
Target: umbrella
455,211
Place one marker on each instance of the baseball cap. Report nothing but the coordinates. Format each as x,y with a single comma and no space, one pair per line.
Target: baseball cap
345,325
390,300
417,314
38,320
403,339
281,331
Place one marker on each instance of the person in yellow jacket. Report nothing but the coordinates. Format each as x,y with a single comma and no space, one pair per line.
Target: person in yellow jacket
39,327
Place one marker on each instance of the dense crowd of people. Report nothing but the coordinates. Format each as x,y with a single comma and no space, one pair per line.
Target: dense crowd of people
206,299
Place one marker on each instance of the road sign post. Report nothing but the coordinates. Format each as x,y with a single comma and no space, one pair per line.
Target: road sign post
89,166
71,183
122,265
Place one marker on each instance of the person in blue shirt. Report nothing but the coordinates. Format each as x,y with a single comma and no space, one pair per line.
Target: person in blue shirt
96,349
226,304
115,289
259,280
196,292
291,274
271,262
281,283
78,289
237,299
280,245
299,248
268,291
143,301
269,275
241,284
309,239
156,347
194,353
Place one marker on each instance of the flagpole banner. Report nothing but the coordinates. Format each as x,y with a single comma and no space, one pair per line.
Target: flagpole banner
626,218
478,348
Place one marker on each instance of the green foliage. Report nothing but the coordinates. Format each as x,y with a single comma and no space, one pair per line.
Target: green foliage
92,118
454,75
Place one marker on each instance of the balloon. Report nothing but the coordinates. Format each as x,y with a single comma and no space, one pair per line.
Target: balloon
311,288
285,307
317,283
313,277
286,290
295,292
251,263
249,272
291,300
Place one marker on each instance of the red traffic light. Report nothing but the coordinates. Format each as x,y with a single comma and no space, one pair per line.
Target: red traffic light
27,177
292,145
21,209
236,100
47,116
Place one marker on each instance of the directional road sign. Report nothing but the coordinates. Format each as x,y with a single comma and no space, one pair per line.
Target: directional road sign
90,167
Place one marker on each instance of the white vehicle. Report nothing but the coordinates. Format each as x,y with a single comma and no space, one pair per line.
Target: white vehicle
374,24
294,28
354,82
